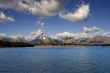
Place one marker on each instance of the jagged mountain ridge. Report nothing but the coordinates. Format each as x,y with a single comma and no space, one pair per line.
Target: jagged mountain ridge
46,39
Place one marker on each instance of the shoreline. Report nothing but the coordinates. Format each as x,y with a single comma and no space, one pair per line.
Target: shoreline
57,45
71,45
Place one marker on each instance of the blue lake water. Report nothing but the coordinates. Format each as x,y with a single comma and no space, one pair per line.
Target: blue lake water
55,60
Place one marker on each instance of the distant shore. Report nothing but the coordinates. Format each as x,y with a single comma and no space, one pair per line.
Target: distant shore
4,44
20,44
69,44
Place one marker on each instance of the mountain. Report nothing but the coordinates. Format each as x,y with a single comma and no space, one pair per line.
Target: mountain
98,40
45,39
66,39
6,41
19,39
10,39
101,40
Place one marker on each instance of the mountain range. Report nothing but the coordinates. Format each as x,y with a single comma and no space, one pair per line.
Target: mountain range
46,39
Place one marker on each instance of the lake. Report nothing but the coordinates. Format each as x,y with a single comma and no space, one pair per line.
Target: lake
55,60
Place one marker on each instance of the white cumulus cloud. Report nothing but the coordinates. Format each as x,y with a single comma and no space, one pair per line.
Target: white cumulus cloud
5,19
94,30
74,35
65,34
35,7
86,33
81,14
47,8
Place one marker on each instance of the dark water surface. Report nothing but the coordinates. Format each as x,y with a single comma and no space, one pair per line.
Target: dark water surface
55,60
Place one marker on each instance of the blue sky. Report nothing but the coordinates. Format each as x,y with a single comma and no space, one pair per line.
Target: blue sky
25,23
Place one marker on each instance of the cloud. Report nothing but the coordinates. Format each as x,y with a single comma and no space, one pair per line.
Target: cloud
74,35
65,34
86,33
5,19
83,35
95,31
47,8
43,8
92,29
81,14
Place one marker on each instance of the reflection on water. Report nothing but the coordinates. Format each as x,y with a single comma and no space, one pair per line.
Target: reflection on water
55,60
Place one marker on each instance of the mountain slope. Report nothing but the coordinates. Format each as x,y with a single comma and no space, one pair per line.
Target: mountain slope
44,39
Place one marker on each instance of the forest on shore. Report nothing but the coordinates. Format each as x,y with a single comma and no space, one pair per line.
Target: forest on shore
15,44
